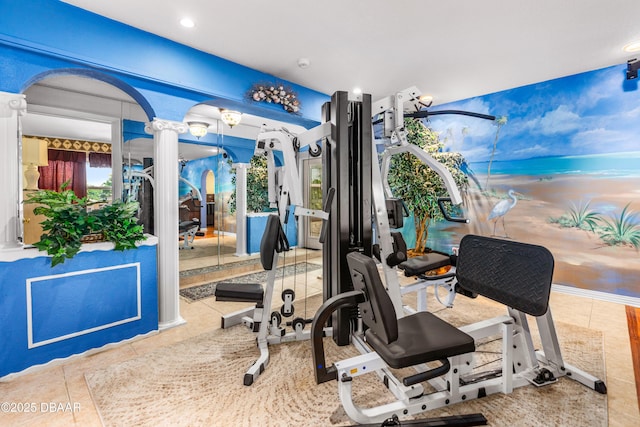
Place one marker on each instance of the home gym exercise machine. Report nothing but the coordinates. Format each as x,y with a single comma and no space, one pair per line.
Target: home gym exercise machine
362,310
285,194
436,269
136,181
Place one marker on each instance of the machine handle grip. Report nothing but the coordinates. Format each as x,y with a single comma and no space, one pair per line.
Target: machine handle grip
327,207
441,201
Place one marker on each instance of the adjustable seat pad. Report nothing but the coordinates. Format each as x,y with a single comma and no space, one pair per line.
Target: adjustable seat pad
421,264
188,225
422,337
239,292
414,339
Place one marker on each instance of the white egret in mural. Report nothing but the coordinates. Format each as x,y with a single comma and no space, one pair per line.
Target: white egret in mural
501,209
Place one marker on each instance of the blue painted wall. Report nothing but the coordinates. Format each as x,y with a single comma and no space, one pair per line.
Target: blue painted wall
170,76
78,303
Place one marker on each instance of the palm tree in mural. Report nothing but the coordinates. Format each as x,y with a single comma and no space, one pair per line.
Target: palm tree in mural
499,122
501,209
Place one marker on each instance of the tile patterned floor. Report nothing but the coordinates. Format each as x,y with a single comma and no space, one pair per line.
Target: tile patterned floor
62,397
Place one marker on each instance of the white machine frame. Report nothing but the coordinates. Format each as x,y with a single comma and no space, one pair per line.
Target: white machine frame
285,192
521,364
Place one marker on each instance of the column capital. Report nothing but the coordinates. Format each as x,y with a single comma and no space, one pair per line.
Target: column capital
160,125
10,102
241,165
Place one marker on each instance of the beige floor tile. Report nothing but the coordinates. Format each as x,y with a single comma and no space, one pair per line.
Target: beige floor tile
164,338
623,403
77,367
65,383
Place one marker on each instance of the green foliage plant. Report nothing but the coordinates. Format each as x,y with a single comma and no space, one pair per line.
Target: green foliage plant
420,186
622,230
67,221
257,186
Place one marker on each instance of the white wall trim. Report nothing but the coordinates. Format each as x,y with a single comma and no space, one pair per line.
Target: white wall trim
603,296
30,281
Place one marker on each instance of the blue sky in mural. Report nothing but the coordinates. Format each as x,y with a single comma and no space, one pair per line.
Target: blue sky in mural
580,115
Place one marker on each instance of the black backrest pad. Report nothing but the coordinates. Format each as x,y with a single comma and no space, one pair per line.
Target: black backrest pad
377,311
273,240
516,274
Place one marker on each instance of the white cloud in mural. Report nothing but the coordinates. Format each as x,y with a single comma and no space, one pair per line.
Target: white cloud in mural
632,114
560,120
601,140
535,150
607,86
477,153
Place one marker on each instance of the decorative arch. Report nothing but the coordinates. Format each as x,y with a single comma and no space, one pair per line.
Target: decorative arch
97,75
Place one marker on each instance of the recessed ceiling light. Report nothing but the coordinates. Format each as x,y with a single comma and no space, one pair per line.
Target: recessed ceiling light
187,23
632,47
357,91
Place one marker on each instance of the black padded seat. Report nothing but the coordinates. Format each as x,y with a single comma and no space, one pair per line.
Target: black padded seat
239,292
421,264
422,337
185,226
411,340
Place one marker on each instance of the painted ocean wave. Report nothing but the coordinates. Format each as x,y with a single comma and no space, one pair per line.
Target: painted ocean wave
609,165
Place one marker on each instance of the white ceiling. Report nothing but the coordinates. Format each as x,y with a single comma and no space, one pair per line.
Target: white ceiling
452,49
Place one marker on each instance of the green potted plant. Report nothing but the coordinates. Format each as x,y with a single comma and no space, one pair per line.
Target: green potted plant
68,222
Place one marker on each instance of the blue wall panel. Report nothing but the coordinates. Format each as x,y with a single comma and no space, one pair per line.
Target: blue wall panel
83,312
52,298
56,31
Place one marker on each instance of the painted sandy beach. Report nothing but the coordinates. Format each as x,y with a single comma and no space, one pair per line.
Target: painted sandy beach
582,259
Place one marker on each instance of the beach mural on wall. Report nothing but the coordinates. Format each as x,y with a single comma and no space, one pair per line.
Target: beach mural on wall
561,169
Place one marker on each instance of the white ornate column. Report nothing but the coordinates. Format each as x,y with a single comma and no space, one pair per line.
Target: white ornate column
12,106
116,159
241,207
165,174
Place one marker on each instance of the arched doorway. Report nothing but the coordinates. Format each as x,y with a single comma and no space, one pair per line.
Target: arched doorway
78,115
207,212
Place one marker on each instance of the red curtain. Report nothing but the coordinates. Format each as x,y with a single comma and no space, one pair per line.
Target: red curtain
100,160
65,166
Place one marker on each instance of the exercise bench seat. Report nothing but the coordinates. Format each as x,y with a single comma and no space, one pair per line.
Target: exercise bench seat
419,338
421,264
239,292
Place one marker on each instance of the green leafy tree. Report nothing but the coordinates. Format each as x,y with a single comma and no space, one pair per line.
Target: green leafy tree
420,186
257,186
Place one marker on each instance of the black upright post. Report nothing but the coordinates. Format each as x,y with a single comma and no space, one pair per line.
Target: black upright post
346,168
147,200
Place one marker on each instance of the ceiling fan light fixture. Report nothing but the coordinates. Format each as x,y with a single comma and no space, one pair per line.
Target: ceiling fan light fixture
632,47
198,129
230,118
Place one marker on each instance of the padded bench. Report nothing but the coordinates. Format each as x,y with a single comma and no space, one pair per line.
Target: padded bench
239,292
427,262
